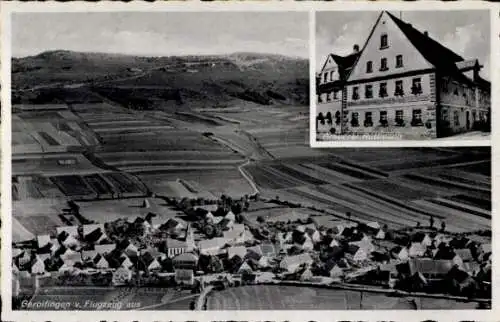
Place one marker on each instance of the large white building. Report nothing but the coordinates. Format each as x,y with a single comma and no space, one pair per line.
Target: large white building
404,81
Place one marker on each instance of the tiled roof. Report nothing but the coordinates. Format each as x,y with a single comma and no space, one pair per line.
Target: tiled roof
435,53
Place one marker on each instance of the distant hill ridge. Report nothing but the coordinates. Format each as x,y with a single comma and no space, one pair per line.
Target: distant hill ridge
261,78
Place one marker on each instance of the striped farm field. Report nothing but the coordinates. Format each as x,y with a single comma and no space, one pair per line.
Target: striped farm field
169,140
279,297
395,190
217,180
375,156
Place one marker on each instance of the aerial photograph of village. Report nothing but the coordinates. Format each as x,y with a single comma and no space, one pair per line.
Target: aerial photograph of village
161,162
383,74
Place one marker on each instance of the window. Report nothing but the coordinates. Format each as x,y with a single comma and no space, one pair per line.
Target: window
355,93
382,90
384,41
399,61
383,64
354,119
321,118
399,118
383,118
369,66
416,87
474,115
399,91
456,118
329,118
368,91
337,118
331,75
368,119
328,97
319,99
416,119
325,77
335,94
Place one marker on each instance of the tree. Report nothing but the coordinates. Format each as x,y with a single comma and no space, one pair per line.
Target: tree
443,226
209,231
236,208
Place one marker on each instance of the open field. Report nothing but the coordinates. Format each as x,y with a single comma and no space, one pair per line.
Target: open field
216,180
53,164
103,211
374,190
89,185
270,297
36,217
49,131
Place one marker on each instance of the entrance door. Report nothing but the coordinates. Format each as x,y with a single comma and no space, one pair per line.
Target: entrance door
467,119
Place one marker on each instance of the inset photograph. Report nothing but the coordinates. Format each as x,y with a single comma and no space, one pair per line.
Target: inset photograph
406,75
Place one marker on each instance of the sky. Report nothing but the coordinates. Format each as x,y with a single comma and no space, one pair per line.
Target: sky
465,32
162,33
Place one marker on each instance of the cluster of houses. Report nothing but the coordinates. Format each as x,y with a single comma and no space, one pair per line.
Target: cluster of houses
188,254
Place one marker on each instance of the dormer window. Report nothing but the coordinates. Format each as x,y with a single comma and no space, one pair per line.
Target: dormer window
384,41
383,64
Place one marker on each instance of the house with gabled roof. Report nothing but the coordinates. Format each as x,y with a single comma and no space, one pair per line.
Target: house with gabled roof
401,80
175,247
241,251
128,248
212,246
416,249
292,263
185,261
94,233
356,253
245,268
43,240
100,262
104,248
37,266
70,230
400,253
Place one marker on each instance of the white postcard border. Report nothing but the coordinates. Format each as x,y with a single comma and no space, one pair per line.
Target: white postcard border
6,198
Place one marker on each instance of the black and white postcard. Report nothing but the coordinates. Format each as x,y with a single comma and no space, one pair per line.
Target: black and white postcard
157,159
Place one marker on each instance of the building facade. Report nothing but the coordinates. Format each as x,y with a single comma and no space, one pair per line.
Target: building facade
401,81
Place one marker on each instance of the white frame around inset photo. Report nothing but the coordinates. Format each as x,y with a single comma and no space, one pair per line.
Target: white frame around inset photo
364,95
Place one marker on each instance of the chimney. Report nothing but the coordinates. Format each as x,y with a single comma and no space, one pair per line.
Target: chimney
426,34
355,48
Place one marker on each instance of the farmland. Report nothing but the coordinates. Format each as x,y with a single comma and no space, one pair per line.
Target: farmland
430,183
271,297
209,132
